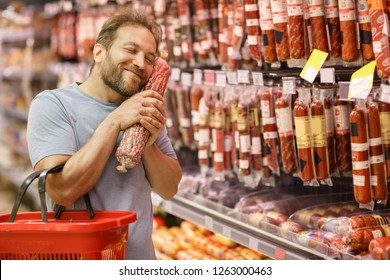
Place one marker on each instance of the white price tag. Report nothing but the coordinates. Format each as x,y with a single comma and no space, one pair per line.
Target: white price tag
220,79
289,85
243,76
258,78
232,77
253,243
227,232
186,79
208,222
385,93
175,74
360,87
198,77
310,74
327,75
343,90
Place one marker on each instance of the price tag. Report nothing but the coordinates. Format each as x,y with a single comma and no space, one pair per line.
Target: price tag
253,244
289,85
220,79
327,75
186,79
361,81
175,74
232,77
209,77
280,254
208,222
343,90
385,93
258,78
227,232
243,76
198,77
313,65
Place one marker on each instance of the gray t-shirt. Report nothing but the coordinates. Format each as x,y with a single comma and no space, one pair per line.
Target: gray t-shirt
60,122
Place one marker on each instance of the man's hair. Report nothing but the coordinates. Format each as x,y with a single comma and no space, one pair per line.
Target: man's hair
107,34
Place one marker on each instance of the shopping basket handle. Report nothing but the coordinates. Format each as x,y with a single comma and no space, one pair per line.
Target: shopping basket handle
58,209
22,190
42,188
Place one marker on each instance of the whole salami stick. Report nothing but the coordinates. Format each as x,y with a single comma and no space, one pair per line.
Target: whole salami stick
134,138
267,31
349,45
279,18
318,25
365,29
296,28
377,162
332,17
384,114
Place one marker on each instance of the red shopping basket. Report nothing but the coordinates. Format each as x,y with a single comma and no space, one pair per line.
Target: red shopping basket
68,235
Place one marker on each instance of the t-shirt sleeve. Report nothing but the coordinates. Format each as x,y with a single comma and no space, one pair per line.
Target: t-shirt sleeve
165,145
49,129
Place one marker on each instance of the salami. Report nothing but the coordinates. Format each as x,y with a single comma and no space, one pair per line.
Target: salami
267,31
253,29
343,134
384,115
377,161
365,30
349,44
223,30
333,20
296,28
360,156
244,139
132,145
318,25
303,132
279,19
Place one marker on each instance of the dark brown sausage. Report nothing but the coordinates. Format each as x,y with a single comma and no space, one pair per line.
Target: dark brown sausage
384,114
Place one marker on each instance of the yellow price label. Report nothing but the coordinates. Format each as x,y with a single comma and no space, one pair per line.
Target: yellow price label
362,81
313,65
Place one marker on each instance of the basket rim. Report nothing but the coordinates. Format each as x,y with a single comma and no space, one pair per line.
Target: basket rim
70,220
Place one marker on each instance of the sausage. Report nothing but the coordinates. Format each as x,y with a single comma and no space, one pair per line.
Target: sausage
349,44
380,248
384,115
256,156
377,162
330,137
303,132
213,10
270,130
343,134
184,115
307,29
223,30
186,36
380,39
360,156
365,30
201,32
284,124
196,94
318,130
296,28
134,138
318,25
244,138
219,137
228,140
238,17
253,29
279,19
267,31
235,133
359,239
333,20
204,133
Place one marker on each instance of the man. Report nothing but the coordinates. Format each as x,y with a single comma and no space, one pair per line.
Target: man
81,126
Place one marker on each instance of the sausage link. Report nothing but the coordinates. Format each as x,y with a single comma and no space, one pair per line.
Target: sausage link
330,138
256,156
286,134
384,114
219,137
244,140
365,30
343,134
296,28
132,145
379,248
318,131
279,18
359,239
267,31
377,163
228,140
302,131
253,29
307,30
333,19
349,44
360,156
270,130
380,38
196,94
318,26
223,27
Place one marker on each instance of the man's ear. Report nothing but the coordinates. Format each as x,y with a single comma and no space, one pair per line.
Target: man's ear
98,52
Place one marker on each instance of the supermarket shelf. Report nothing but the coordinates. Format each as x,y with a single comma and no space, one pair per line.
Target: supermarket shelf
231,225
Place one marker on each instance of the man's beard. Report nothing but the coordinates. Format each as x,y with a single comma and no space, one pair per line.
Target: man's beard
113,78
